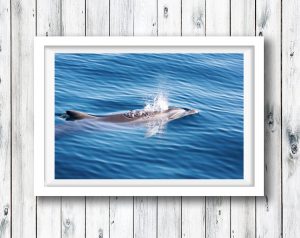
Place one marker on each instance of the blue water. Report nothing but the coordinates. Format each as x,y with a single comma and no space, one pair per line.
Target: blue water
208,145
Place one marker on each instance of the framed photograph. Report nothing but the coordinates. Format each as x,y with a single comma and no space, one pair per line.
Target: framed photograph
149,116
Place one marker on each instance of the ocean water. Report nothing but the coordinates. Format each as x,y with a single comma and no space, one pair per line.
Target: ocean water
207,145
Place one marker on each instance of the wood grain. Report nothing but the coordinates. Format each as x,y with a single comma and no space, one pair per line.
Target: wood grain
217,217
217,18
48,19
5,120
73,209
145,217
97,208
145,208
242,208
97,217
73,17
48,223
193,17
242,18
97,18
193,208
121,17
121,208
268,208
242,217
121,217
291,118
169,17
218,208
193,217
73,217
145,17
23,201
169,208
48,23
169,217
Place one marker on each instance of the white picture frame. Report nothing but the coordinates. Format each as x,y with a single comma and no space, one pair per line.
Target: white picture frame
45,183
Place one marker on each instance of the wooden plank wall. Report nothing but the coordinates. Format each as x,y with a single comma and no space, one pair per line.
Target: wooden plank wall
274,215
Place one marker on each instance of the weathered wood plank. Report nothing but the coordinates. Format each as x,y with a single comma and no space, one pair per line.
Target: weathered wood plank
145,17
193,208
73,217
291,117
145,217
97,18
97,217
169,208
268,208
73,17
145,208
217,217
242,208
5,120
121,17
97,208
218,208
48,209
242,217
242,18
23,200
48,217
121,208
73,209
169,17
121,217
217,18
193,217
169,217
193,17
48,18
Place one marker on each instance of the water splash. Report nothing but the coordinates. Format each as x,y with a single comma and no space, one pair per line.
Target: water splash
159,103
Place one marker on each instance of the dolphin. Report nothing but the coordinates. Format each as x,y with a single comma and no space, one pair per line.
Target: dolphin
153,120
135,116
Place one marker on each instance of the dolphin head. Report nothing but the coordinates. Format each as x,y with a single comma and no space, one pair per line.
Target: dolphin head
176,112
190,111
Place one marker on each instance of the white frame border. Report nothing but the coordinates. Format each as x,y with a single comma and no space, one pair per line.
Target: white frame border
45,188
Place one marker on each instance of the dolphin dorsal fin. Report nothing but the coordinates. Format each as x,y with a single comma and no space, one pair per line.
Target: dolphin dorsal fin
75,115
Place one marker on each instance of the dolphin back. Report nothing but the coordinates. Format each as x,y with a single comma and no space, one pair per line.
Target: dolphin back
75,115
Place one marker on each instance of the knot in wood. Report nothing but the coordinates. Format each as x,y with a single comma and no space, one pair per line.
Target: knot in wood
5,210
198,22
267,203
166,10
100,233
294,148
270,120
68,222
293,141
